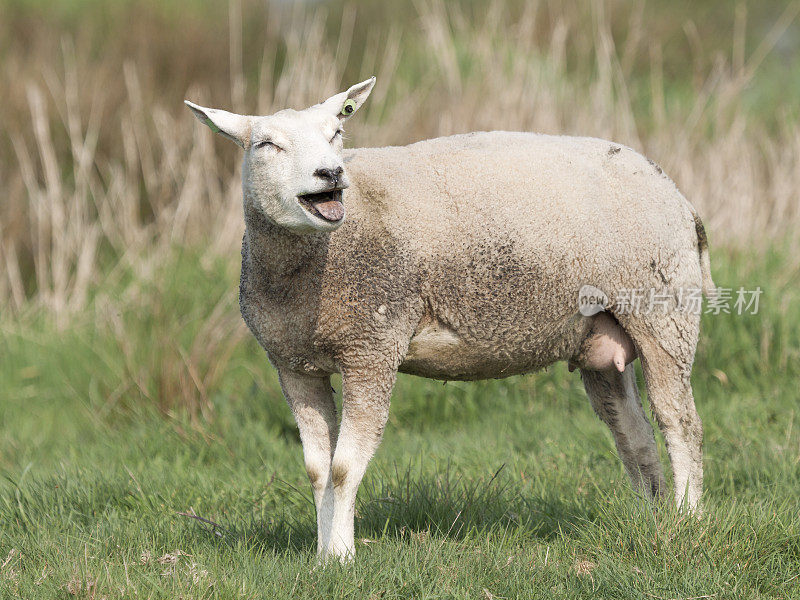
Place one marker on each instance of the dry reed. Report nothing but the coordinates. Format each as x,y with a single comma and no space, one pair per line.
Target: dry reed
104,176
162,184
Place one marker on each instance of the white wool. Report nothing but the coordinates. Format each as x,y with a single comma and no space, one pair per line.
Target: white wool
462,258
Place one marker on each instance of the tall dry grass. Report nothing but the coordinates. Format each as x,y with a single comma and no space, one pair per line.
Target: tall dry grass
90,183
105,174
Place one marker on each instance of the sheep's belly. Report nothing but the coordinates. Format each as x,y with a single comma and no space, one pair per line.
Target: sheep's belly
438,352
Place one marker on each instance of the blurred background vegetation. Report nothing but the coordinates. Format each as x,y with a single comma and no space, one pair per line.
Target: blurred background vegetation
121,219
113,197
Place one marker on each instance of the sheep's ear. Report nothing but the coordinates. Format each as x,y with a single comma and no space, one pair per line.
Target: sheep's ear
345,104
232,126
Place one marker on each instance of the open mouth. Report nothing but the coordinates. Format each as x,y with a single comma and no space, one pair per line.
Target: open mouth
325,205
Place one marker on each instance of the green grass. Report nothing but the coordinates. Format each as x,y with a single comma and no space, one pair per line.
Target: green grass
497,489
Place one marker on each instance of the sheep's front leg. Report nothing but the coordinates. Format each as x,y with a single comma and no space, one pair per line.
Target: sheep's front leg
311,401
365,409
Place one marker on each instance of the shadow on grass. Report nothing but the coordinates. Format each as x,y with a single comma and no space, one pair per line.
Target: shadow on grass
406,504
447,504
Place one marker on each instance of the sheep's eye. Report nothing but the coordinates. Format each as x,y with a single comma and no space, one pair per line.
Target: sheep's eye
336,135
265,143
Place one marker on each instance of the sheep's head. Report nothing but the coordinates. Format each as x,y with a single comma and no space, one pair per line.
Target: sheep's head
293,170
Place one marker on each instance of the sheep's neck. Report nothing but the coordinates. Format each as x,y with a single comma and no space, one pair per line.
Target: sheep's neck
276,255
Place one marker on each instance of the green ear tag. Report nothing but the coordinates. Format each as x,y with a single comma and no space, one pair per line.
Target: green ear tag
213,127
348,108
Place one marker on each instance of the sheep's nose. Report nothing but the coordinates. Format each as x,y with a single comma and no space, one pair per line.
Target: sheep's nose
332,175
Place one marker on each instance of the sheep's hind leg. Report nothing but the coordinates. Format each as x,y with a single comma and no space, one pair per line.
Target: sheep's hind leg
666,374
311,401
666,344
615,399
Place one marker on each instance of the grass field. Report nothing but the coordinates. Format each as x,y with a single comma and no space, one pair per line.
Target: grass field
505,488
145,448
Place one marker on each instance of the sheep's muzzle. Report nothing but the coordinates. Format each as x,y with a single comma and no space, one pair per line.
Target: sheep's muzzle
326,205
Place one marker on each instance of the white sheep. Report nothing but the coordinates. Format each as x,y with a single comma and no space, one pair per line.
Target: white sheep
462,258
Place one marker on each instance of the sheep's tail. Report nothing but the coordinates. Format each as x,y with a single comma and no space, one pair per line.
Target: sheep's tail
709,289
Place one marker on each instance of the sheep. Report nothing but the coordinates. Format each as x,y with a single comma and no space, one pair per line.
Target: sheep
461,258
